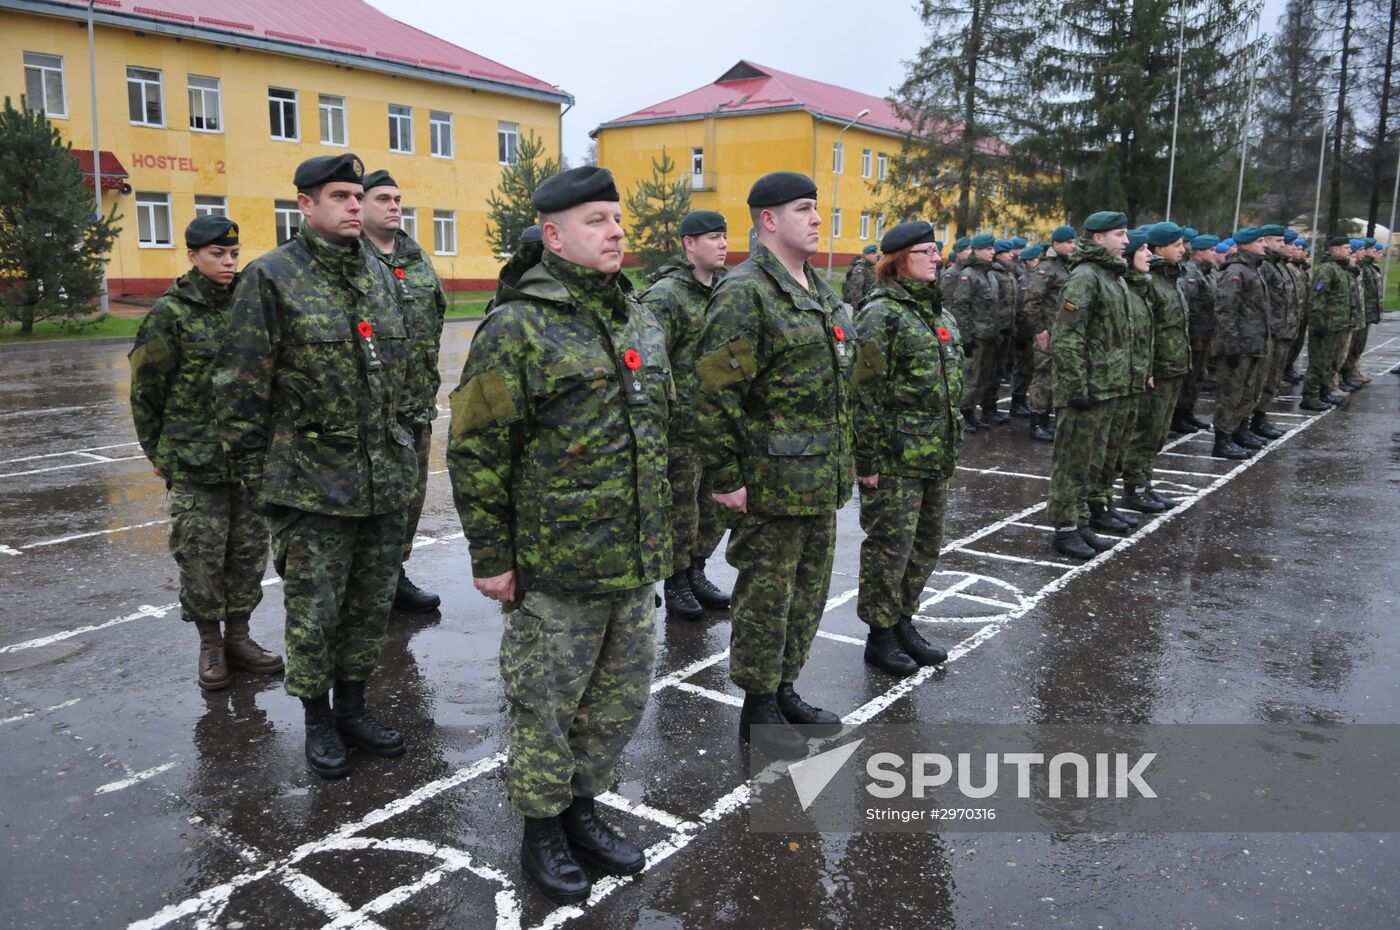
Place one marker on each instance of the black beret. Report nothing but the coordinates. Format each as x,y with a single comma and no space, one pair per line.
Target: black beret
380,178
1338,240
211,230
326,168
566,189
906,234
1104,221
531,234
699,222
781,187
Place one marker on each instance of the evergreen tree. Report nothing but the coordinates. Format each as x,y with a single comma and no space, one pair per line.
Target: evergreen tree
510,206
655,209
1291,114
52,244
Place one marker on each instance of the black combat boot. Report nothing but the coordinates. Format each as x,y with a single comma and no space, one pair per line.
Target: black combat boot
1127,518
1181,423
1018,406
1348,386
325,750
1069,542
244,652
213,662
1166,502
1136,498
1336,400
595,843
1101,519
813,721
990,414
709,596
918,648
1197,421
1040,428
970,421
1096,542
1292,376
1312,403
1227,448
546,857
679,599
1248,440
774,735
883,651
1259,426
408,596
356,723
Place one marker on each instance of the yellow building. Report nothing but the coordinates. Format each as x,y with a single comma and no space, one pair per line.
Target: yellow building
754,120
209,107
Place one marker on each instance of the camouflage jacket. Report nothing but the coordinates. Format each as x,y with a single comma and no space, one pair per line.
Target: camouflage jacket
908,383
1022,275
860,278
775,380
1140,329
424,306
1091,341
313,377
975,301
1242,307
678,301
1008,297
1198,284
1043,292
172,391
1371,289
1299,271
1329,309
1171,326
1283,320
557,448
1358,302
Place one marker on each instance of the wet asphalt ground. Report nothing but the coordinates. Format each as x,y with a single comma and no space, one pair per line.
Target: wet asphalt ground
130,798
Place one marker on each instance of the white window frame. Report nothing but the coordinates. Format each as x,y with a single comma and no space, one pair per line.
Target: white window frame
327,105
41,64
400,125
211,101
148,205
865,226
697,167
282,104
507,142
286,215
441,143
838,157
146,84
444,225
836,223
866,157
879,226
882,166
210,207
409,223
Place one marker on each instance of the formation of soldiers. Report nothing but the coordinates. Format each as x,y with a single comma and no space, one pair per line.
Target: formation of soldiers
602,441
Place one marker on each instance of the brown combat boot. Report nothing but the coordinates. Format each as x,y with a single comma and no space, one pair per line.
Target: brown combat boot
213,666
243,652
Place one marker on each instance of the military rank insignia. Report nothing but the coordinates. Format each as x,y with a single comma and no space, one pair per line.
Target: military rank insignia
371,354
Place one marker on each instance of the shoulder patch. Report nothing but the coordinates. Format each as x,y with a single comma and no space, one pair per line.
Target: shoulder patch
1069,307
726,365
870,362
1322,285
484,400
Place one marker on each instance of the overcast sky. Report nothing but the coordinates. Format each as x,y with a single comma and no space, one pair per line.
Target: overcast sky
617,56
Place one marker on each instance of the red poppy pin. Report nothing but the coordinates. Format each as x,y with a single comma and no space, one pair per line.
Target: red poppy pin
399,273
365,329
631,359
944,334
840,333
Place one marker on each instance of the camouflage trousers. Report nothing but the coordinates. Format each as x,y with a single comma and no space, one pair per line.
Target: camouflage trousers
1278,361
1150,428
1355,348
338,575
1118,435
697,521
577,671
422,440
784,568
985,378
1039,397
1022,350
1191,382
1324,349
903,523
220,545
1236,391
1077,461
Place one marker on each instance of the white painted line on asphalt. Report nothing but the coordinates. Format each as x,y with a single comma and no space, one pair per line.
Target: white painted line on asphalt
40,471
1187,455
145,610
646,811
54,455
1033,526
716,696
1003,473
76,536
841,638
34,713
1015,558
6,550
1189,474
43,411
135,778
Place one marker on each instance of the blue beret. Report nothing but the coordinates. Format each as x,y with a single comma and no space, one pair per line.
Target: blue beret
1246,234
380,178
210,230
1358,244
699,222
1136,240
905,235
1164,234
1290,236
1302,243
962,243
1032,253
781,187
1272,229
1189,232
870,249
984,241
1003,245
1205,242
326,168
1062,234
1104,220
1017,242
531,234
566,189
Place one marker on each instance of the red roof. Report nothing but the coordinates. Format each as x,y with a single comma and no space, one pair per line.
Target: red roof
113,174
342,27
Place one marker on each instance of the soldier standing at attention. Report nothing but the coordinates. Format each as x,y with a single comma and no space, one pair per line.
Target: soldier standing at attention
217,537
948,276
974,300
1198,284
1371,301
1241,345
1329,324
776,355
1092,372
424,306
908,432
1042,296
1021,349
681,289
312,380
1346,368
558,464
860,278
1282,322
1003,345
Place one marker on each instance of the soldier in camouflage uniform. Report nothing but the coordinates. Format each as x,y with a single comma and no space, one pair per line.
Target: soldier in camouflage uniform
1296,266
1042,306
860,277
974,299
1022,346
1002,347
1198,284
908,432
1371,299
218,539
677,296
776,355
1283,322
1242,345
314,384
948,280
1346,369
424,307
558,463
1329,324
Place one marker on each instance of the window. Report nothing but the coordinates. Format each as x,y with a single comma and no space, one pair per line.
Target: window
286,219
697,168
880,226
884,162
333,120
206,104
43,84
865,225
836,223
409,225
445,232
143,97
207,205
865,163
400,129
282,111
440,134
153,221
508,142
838,157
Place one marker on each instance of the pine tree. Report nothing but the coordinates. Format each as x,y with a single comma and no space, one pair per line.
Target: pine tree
655,209
1291,115
52,245
510,206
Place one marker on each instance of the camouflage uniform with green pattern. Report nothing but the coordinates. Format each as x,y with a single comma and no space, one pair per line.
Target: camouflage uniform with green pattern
860,278
1283,326
557,455
1125,411
1198,284
909,431
1171,362
1369,277
312,382
1042,296
1329,324
975,301
1242,340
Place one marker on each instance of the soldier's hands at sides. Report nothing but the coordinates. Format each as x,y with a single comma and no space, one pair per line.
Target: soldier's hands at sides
159,473
1042,340
1081,403
497,587
1152,383
737,501
871,481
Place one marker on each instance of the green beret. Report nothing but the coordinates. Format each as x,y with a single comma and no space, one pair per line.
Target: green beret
211,230
1062,234
1103,221
566,189
531,234
906,234
1290,236
1164,234
870,249
1371,243
984,241
961,243
1003,245
1338,240
699,222
1205,242
1246,234
380,178
1273,229
1189,232
1017,242
1032,253
780,187
326,168
1136,240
